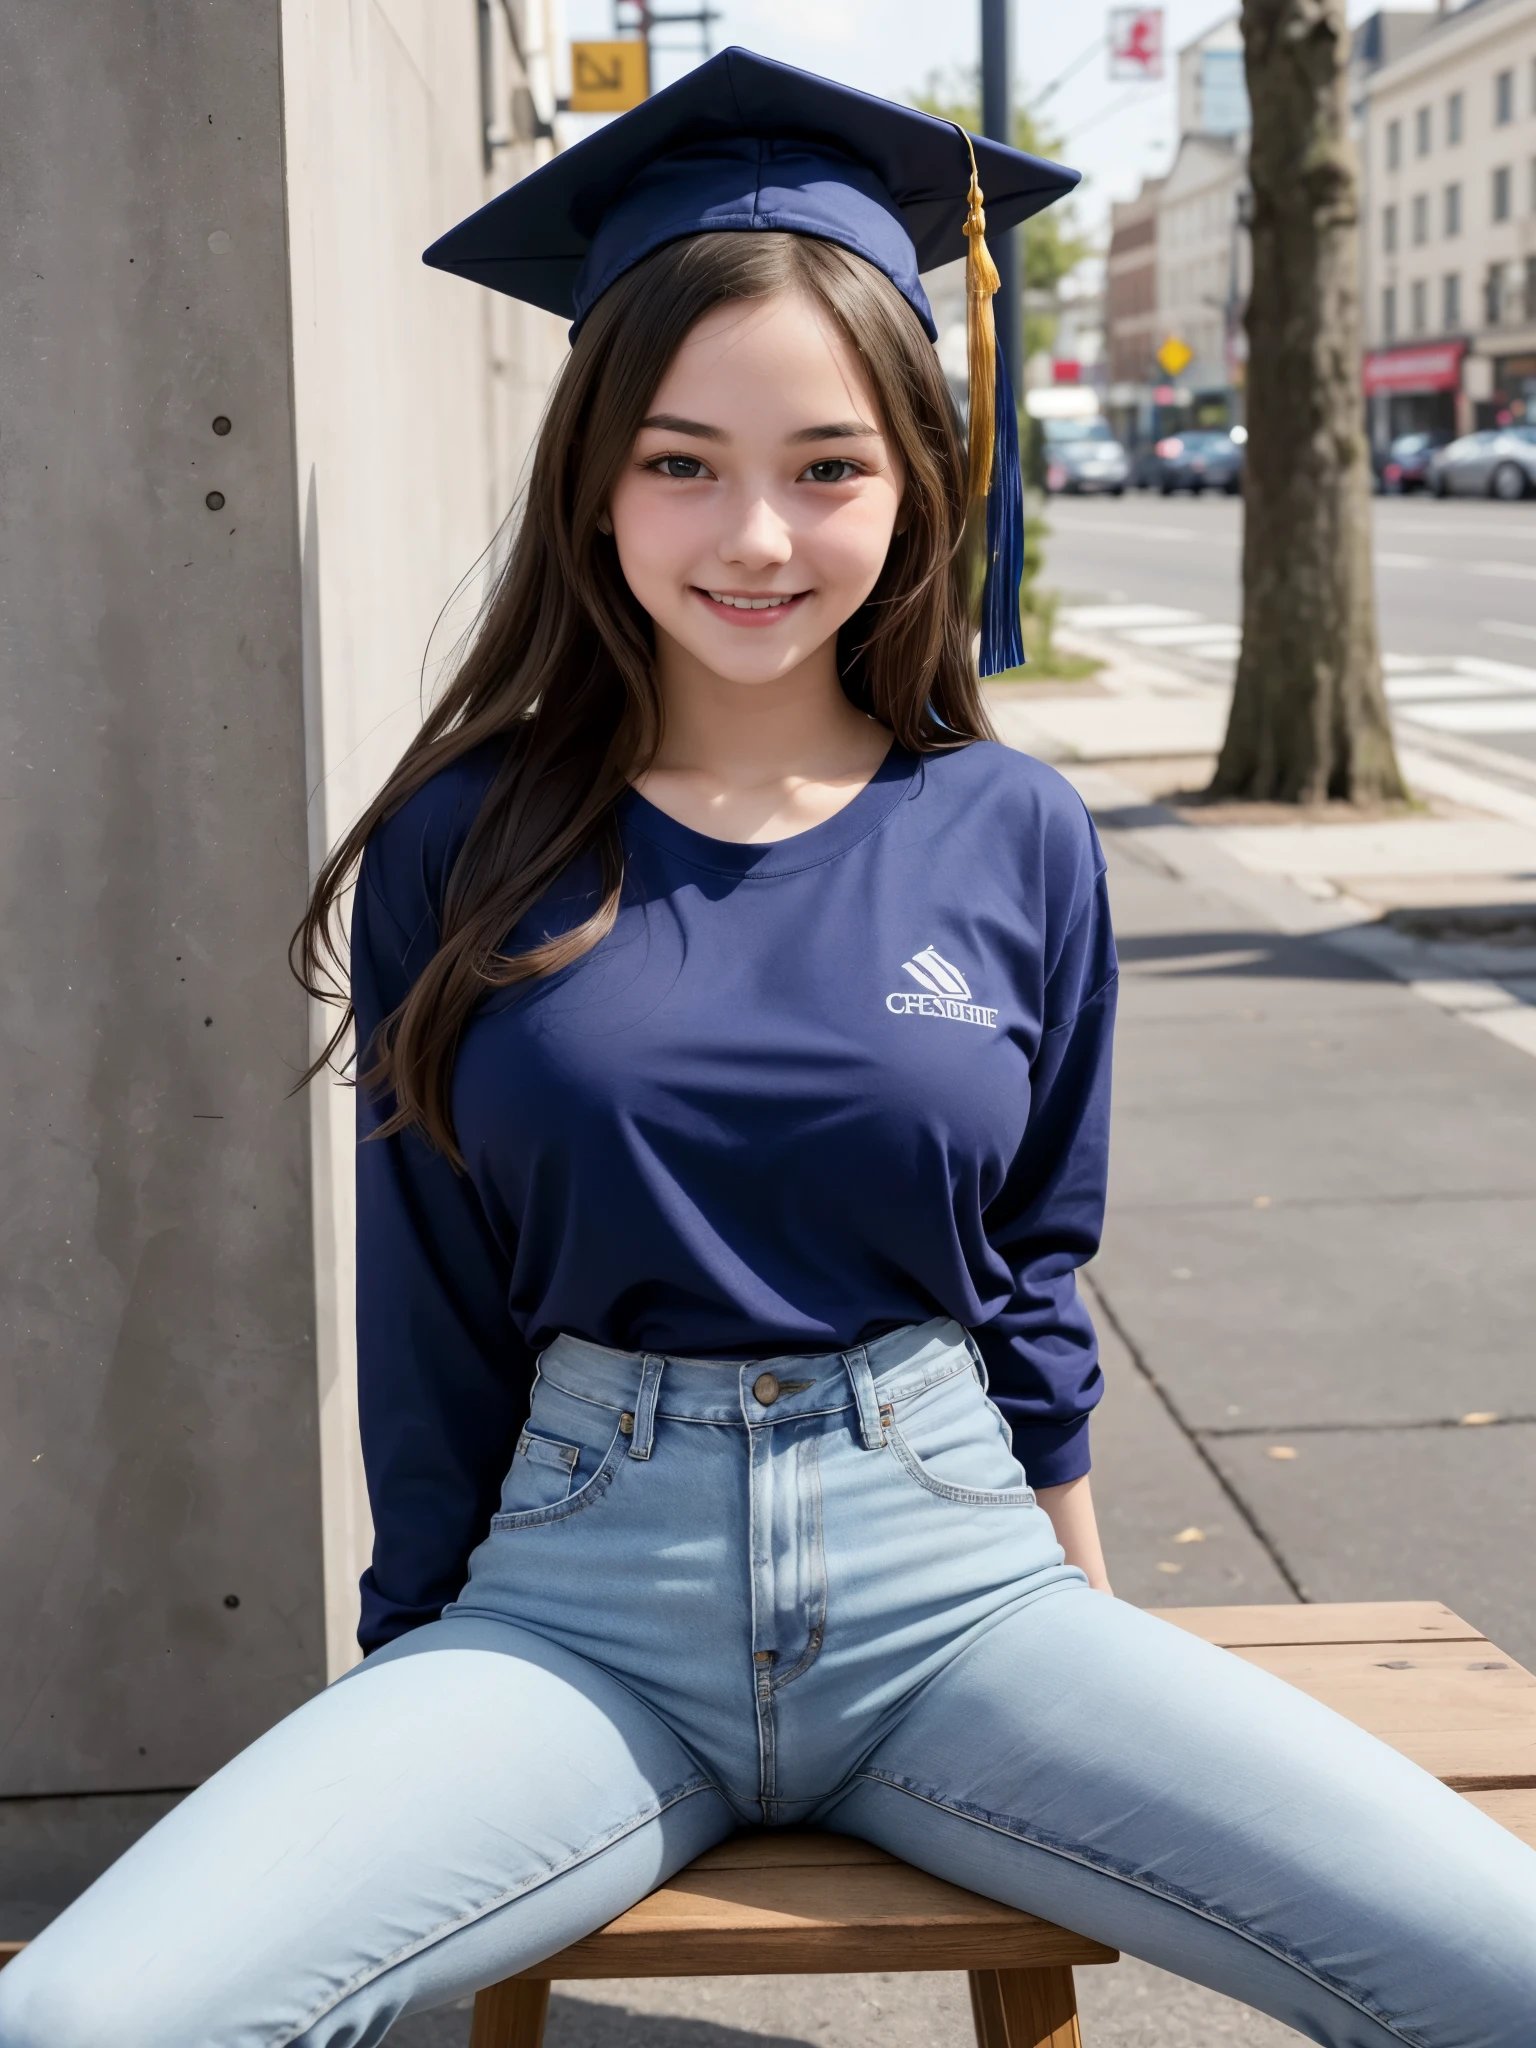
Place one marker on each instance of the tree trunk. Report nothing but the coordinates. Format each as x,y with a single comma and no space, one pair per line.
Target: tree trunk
1309,715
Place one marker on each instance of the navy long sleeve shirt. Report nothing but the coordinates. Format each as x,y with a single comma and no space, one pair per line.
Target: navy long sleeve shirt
802,1094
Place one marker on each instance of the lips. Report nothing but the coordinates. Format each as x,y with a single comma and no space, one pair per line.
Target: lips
773,602
751,608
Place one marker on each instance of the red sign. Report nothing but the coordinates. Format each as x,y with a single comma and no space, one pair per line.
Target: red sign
1065,371
1136,42
1435,367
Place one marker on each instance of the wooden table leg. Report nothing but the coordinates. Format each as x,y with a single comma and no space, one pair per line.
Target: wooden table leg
511,2014
987,2009
1025,2009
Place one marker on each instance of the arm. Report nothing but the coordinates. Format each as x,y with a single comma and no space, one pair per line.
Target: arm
442,1374
1040,1348
1070,1508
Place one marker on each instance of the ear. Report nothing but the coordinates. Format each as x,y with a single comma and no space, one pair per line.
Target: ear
604,523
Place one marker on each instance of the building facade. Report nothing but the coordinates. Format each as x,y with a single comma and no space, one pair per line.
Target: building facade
1203,274
1448,138
1176,271
1131,334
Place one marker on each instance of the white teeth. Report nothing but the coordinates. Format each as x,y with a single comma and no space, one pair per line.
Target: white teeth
748,604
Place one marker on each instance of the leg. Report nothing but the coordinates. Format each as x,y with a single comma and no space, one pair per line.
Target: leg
1024,2009
464,1804
1093,1765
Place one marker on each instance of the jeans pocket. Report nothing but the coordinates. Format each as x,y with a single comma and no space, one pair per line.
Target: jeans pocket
564,1459
543,1472
954,1443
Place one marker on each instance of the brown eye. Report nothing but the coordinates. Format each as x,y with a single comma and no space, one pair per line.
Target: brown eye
683,467
833,471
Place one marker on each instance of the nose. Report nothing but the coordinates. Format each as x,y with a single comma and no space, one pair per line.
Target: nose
757,535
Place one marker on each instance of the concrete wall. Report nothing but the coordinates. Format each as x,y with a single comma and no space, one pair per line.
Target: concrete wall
158,1442
216,211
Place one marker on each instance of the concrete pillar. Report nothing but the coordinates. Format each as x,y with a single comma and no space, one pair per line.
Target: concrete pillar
159,1490
249,449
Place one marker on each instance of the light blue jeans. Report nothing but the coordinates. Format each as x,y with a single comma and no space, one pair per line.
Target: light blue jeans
813,1589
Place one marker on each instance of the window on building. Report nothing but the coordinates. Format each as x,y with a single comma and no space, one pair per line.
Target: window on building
1453,209
1419,302
1421,131
1394,144
1450,301
1389,312
1504,98
1493,295
1389,227
1453,117
1421,217
1501,193
1533,184
1530,289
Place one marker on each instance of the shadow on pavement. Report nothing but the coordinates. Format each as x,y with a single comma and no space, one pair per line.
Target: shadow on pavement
581,2023
1261,953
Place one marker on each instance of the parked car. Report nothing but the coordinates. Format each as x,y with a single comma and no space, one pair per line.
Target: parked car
1083,455
1404,464
1499,462
1199,459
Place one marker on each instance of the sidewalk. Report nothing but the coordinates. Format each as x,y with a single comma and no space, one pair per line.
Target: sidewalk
1317,1265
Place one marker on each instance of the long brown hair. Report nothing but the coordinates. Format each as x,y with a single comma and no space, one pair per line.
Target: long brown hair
560,663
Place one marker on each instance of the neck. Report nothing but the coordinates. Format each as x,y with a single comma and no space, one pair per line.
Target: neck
757,761
755,735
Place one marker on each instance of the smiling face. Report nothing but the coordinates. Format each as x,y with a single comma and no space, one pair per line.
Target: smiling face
757,508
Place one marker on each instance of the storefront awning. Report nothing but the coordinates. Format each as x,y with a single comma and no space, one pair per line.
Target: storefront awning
1434,367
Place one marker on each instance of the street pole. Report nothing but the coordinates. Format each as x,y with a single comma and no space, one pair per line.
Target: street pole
997,123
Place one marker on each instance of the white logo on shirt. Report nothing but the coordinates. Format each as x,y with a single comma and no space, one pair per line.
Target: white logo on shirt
947,992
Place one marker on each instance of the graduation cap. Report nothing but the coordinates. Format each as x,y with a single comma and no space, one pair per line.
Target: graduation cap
743,143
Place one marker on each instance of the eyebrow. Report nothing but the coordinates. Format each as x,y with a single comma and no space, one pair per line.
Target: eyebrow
838,430
698,430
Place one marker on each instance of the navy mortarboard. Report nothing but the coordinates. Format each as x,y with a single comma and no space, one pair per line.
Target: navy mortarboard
743,143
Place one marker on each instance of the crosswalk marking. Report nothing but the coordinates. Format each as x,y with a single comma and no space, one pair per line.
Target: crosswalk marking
1429,689
1466,693
1510,715
1114,618
1192,637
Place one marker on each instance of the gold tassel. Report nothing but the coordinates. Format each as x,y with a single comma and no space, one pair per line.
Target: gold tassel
981,281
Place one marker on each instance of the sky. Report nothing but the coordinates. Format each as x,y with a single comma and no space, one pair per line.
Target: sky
1114,133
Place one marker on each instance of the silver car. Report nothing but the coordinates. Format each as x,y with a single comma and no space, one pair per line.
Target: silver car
1497,462
1083,455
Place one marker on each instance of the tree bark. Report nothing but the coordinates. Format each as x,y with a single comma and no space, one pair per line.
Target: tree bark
1309,714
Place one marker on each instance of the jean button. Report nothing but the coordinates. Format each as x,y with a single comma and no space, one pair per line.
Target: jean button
766,1389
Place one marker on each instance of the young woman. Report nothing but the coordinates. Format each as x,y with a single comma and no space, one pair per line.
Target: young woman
734,1021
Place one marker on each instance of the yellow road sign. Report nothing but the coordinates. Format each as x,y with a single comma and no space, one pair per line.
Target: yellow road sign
609,78
1175,355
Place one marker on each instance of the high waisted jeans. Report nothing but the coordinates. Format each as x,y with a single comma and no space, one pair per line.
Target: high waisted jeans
806,1590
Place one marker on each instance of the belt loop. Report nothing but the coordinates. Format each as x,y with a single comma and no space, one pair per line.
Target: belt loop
980,1363
867,1401
644,1431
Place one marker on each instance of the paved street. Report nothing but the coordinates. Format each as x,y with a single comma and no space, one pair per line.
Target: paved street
1456,588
